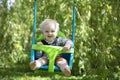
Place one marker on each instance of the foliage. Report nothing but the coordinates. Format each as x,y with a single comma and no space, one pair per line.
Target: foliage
23,73
15,32
97,37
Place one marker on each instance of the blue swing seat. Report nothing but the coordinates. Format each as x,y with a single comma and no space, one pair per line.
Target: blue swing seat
68,56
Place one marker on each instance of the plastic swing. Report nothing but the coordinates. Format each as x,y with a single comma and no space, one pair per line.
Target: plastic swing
53,51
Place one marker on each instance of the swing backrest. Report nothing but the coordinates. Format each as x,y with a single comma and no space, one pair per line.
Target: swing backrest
41,37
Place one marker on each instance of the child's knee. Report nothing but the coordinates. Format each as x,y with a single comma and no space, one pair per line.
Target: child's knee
43,60
61,61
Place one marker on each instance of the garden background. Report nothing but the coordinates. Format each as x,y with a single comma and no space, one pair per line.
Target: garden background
97,38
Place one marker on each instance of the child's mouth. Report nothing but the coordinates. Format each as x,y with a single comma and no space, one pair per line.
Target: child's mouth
49,36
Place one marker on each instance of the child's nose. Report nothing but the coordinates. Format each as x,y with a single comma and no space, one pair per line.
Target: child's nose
50,33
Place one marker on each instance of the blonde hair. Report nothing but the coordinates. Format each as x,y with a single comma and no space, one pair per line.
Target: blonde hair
48,22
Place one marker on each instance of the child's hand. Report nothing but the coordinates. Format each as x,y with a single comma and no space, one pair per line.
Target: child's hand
39,43
66,48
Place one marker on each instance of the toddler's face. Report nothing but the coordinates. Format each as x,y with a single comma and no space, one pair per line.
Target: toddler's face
50,32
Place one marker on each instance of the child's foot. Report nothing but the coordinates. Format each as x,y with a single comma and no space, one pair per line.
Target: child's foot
33,65
66,71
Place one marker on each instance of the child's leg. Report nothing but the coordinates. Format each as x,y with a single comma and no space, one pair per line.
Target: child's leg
62,63
38,63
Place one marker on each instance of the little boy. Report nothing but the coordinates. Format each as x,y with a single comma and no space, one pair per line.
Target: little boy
49,30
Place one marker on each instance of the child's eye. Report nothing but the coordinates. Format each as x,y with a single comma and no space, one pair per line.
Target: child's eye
52,31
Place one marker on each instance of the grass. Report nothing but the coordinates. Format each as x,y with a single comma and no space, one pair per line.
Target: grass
22,72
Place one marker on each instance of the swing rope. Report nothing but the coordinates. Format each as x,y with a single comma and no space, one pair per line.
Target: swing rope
34,31
74,22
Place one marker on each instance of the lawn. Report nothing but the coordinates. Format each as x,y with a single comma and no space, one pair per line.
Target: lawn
22,72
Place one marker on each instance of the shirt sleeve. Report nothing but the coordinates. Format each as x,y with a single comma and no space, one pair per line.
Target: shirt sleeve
63,41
